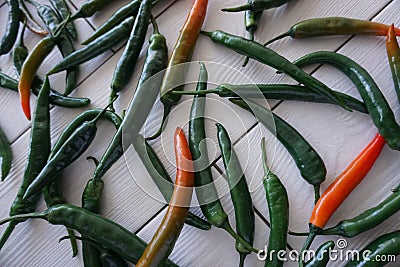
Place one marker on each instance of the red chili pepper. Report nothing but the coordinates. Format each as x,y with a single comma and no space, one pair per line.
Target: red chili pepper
163,241
393,53
341,188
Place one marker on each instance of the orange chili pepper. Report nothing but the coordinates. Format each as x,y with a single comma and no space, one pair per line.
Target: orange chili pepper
341,188
163,241
393,52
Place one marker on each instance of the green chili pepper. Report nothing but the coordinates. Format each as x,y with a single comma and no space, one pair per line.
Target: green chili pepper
206,192
10,36
276,91
162,179
376,104
62,9
5,154
38,153
385,246
64,43
257,5
20,53
307,160
330,26
269,57
240,195
68,152
251,19
107,233
89,8
127,62
96,47
321,257
8,82
278,207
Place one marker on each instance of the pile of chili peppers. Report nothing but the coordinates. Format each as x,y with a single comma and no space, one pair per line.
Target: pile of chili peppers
106,243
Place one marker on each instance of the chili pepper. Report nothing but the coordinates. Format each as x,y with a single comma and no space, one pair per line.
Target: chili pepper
367,219
206,192
20,53
68,152
182,53
375,252
107,233
142,101
30,67
89,8
130,9
322,254
10,36
276,91
63,11
8,82
377,106
64,43
271,58
161,178
96,47
163,241
257,5
251,19
330,26
393,52
127,62
343,185
240,195
278,207
307,160
39,149
5,155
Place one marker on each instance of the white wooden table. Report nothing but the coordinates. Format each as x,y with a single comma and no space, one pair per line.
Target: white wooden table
336,134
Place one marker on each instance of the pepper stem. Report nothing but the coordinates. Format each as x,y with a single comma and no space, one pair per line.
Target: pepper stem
34,215
167,109
154,23
237,9
237,237
242,257
316,192
205,33
200,92
281,36
297,234
264,157
74,246
110,104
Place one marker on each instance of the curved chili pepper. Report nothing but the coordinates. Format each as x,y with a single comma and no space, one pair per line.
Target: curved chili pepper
89,8
307,160
107,233
96,47
278,207
38,153
271,58
63,11
206,192
341,188
377,106
68,152
163,241
240,195
128,10
331,26
257,5
5,155
385,245
276,91
10,36
393,52
127,62
322,254
182,53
